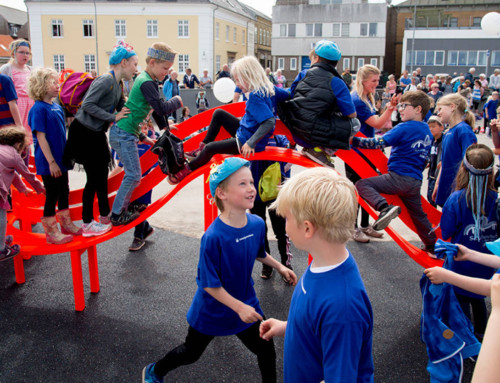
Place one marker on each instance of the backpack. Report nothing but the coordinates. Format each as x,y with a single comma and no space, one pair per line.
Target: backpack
73,89
269,182
170,152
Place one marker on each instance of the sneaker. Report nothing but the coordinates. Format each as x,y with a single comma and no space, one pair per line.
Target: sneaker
9,252
9,239
386,216
194,153
137,244
137,207
360,236
94,229
174,179
149,376
123,218
267,272
105,220
370,232
318,156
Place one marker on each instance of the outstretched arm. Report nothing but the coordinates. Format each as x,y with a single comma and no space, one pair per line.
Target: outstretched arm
438,275
369,143
288,274
271,328
246,313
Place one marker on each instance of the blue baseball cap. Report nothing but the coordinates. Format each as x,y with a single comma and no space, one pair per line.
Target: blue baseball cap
224,170
328,50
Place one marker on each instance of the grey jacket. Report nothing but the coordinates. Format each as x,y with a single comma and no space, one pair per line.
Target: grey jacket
102,99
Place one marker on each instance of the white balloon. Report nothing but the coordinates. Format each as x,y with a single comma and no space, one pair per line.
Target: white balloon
224,89
490,23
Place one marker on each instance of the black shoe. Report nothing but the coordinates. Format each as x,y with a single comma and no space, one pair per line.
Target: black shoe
9,252
267,272
137,207
137,244
123,218
386,216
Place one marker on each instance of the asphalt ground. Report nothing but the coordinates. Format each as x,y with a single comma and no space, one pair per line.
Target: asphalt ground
140,314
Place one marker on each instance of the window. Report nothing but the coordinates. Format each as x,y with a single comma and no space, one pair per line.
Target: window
495,58
283,28
58,62
361,62
345,30
291,30
260,36
243,37
120,28
183,28
476,22
57,28
293,63
217,28
309,30
314,30
363,29
281,63
481,58
268,38
227,33
88,28
373,30
462,58
234,35
453,58
336,30
429,58
373,62
152,28
217,63
451,22
184,62
89,62
467,58
472,58
346,64
439,58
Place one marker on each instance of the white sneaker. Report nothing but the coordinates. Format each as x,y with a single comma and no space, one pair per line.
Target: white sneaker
94,229
360,237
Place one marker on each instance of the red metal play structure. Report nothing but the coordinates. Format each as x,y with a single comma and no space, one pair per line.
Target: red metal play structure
28,210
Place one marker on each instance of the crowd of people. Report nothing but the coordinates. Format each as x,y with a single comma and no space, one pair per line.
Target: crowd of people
428,121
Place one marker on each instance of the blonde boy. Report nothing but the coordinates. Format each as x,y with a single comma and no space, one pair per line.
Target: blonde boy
320,209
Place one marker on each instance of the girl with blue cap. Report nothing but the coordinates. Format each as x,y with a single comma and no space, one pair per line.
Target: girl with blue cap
103,105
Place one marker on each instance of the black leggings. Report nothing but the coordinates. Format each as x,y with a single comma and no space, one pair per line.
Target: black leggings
56,194
97,183
196,343
220,118
479,312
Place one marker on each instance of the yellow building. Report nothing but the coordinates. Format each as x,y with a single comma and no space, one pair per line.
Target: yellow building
80,35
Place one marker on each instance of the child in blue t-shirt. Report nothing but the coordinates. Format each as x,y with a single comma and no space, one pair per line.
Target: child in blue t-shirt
225,302
472,224
328,335
452,110
411,141
9,112
251,133
490,109
46,120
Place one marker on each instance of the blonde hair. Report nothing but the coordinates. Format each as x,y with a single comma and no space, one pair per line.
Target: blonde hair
161,47
14,45
249,70
38,82
218,202
324,198
461,107
363,74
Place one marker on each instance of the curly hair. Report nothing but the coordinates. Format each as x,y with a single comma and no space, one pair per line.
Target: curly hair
39,82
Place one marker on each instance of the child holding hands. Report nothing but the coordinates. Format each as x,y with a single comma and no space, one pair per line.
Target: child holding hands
328,335
225,302
12,144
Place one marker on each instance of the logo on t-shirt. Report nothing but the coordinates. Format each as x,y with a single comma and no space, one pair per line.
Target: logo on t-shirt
243,238
470,230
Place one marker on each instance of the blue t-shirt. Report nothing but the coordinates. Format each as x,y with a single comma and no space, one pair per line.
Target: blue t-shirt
49,119
238,90
363,113
491,106
280,95
455,143
411,143
405,81
457,226
7,94
227,257
258,109
329,331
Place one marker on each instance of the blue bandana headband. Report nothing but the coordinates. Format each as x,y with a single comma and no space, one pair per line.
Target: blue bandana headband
23,44
161,55
120,52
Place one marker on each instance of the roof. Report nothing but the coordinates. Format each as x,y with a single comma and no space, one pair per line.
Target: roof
5,40
445,3
255,12
14,16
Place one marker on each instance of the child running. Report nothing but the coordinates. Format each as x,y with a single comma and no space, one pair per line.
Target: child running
12,144
411,142
46,119
328,335
251,133
452,110
225,302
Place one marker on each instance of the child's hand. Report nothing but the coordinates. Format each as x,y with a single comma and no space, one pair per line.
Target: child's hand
173,127
248,314
148,141
271,328
464,253
247,151
122,114
288,274
55,170
437,275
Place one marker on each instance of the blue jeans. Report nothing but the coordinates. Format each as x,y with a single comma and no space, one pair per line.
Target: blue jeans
125,145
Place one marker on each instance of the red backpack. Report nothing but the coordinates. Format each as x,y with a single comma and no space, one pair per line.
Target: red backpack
73,89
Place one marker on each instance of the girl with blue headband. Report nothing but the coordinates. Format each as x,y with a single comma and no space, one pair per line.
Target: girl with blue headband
87,142
470,218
